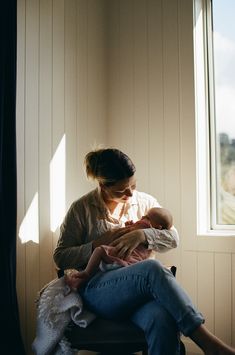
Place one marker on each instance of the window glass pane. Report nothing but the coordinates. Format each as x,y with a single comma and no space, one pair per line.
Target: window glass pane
224,106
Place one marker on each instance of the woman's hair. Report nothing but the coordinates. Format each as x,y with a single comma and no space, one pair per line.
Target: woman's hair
108,166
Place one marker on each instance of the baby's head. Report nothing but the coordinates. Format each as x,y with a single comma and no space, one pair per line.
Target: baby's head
159,218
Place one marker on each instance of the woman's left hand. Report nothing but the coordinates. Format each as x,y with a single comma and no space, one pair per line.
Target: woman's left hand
128,242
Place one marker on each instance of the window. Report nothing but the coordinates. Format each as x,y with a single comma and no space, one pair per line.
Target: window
214,38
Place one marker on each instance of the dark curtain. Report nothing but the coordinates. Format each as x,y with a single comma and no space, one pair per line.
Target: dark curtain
10,336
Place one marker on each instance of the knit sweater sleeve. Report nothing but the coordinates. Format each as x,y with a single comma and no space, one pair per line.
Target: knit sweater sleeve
73,248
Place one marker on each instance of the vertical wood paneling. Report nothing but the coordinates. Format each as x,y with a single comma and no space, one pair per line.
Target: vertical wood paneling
155,97
58,97
189,274
58,75
114,73
223,305
171,118
206,287
187,129
20,129
171,108
31,158
54,49
91,82
82,90
96,94
45,144
70,98
125,131
113,84
141,103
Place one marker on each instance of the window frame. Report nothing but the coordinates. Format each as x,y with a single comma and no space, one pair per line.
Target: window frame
206,145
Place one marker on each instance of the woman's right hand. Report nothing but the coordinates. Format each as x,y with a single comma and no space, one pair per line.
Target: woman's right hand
109,236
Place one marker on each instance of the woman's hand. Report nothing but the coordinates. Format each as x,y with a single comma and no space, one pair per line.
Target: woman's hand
109,236
127,243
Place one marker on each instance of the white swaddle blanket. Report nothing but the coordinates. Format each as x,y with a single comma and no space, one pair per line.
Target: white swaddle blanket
56,307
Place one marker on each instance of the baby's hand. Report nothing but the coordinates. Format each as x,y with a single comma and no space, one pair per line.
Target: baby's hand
128,223
74,279
70,277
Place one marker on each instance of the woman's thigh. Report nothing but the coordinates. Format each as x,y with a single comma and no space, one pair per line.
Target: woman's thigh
118,293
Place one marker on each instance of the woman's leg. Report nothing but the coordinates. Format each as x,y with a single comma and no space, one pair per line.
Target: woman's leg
119,293
160,328
149,293
130,287
209,343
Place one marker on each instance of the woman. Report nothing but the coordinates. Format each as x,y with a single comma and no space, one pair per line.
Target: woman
146,291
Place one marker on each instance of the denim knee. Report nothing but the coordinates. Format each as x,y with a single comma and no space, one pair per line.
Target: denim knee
152,267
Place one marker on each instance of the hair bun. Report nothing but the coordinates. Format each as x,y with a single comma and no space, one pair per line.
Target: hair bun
108,165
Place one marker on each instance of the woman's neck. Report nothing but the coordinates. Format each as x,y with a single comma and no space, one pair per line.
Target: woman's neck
111,205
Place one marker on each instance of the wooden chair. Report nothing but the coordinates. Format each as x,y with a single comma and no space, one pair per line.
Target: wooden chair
110,337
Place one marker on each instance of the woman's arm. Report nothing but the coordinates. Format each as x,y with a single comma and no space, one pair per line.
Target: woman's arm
72,251
158,240
75,246
109,236
161,240
125,245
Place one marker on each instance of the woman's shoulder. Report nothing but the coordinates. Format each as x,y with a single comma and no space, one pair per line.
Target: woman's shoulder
87,199
80,207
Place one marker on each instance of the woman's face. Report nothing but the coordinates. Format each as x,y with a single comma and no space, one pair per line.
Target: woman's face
121,191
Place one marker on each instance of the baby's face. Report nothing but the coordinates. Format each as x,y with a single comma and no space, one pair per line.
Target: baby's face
152,219
146,220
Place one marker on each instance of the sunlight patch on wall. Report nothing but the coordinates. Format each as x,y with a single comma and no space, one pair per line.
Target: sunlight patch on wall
57,186
29,228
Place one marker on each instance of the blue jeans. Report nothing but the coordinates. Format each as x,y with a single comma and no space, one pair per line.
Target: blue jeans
149,294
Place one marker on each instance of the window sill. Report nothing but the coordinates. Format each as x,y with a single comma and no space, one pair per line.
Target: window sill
218,233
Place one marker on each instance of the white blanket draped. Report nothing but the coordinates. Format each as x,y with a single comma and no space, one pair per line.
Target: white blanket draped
56,307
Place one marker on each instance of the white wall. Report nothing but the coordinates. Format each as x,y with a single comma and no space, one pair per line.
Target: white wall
117,72
61,92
